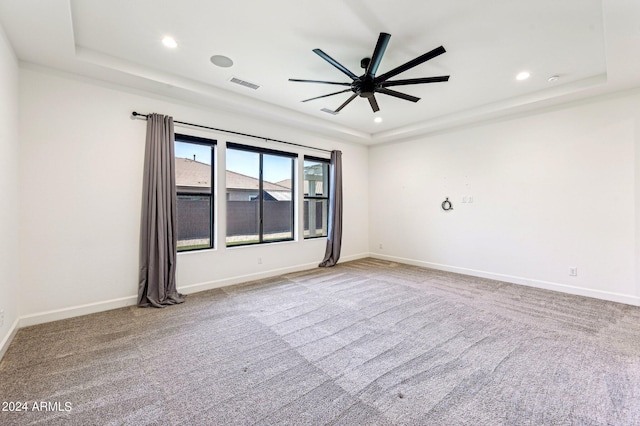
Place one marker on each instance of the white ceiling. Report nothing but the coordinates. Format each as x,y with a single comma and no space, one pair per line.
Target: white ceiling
592,45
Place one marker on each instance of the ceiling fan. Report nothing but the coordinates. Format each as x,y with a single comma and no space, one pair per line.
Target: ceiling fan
368,83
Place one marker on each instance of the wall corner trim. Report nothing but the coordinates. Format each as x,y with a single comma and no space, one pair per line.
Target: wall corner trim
4,344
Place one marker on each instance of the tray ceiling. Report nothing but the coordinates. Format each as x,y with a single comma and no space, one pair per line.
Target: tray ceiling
590,45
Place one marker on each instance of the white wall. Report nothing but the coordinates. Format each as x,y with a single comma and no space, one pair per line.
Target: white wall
551,190
9,176
82,160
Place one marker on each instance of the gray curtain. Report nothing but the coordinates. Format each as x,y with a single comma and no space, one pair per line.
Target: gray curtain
158,231
334,237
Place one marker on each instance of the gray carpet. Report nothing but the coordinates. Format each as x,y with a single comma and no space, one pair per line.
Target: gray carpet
368,342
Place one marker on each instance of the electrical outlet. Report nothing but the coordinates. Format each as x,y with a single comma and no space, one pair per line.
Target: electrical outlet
1,318
380,246
573,271
259,261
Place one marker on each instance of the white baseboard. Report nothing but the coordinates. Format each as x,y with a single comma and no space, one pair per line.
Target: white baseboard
194,288
547,285
76,311
4,344
225,282
92,308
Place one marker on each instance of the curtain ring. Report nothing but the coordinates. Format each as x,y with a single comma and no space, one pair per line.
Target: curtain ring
446,205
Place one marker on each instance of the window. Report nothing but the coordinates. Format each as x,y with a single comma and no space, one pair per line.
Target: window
259,195
316,197
194,184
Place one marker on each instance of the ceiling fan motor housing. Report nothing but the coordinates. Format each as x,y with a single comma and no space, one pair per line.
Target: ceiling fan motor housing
364,87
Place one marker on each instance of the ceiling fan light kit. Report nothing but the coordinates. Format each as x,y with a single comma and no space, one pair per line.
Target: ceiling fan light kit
368,84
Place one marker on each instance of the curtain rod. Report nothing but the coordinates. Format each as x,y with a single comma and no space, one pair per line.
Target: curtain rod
137,114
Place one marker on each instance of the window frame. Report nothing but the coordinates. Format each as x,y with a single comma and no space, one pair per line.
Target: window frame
328,191
211,143
261,151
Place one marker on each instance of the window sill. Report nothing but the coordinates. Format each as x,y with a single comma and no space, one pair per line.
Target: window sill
197,251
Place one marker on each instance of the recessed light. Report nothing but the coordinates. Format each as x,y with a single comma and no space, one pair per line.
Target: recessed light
221,61
523,75
378,119
169,42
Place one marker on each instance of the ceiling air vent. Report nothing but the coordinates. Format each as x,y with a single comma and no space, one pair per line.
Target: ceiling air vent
244,83
329,111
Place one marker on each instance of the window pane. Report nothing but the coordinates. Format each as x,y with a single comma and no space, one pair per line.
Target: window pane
316,192
194,224
243,204
194,200
316,178
277,193
195,152
315,212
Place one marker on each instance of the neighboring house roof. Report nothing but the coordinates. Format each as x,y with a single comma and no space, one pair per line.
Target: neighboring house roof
196,174
240,181
279,195
287,183
192,173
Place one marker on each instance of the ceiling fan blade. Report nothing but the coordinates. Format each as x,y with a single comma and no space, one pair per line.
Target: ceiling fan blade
335,63
324,96
397,94
414,81
373,103
378,52
319,81
414,62
346,102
